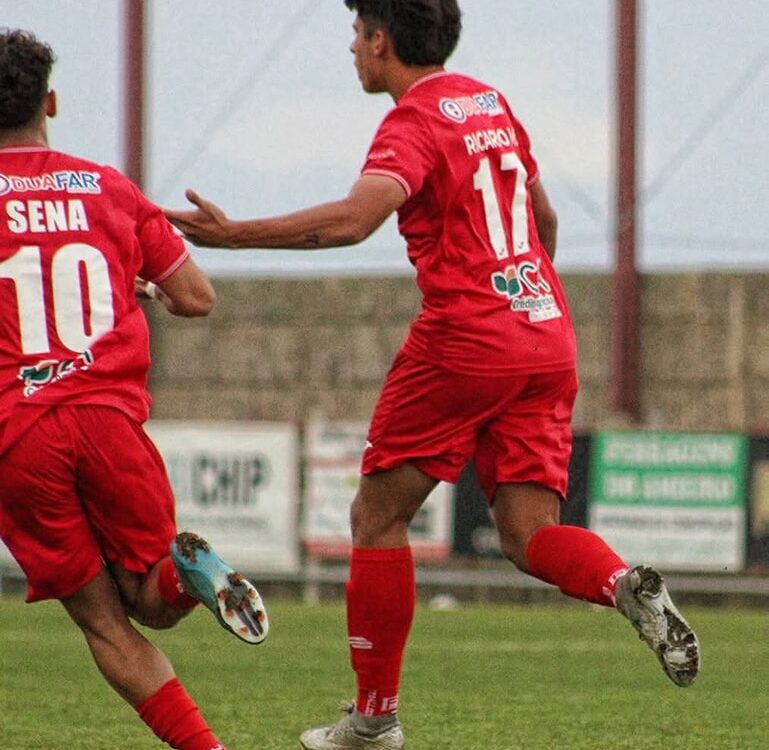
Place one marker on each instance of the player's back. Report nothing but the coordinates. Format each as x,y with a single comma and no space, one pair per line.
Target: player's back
492,302
73,237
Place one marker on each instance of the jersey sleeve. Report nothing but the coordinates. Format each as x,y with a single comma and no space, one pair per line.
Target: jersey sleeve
402,149
163,250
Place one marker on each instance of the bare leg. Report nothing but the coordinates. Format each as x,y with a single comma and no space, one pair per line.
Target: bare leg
141,597
385,504
576,560
129,662
196,574
519,511
140,673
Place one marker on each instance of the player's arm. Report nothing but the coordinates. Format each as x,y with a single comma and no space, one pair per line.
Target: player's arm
187,292
338,223
544,217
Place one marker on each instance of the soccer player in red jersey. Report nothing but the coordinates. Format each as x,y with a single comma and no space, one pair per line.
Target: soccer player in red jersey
487,371
85,503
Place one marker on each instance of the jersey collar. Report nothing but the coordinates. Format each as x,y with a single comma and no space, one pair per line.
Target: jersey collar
430,77
23,149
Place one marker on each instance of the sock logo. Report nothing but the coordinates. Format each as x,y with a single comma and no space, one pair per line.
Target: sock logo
610,591
616,575
359,642
389,705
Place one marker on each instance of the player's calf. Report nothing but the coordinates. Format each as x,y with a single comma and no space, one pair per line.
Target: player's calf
152,600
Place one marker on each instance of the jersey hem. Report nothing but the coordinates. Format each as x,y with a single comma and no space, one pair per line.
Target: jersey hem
392,175
560,365
171,269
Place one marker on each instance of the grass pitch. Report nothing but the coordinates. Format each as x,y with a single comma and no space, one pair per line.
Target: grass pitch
475,678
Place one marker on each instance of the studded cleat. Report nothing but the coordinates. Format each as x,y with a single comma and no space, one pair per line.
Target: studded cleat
345,736
235,602
642,597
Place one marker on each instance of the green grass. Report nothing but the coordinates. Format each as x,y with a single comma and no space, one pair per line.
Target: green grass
476,678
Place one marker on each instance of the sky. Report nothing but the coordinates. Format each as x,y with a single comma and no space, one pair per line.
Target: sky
256,105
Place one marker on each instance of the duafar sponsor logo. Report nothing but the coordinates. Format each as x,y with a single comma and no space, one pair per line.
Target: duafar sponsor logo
63,181
459,109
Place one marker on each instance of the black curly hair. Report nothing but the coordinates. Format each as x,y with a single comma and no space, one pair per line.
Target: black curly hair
424,32
25,66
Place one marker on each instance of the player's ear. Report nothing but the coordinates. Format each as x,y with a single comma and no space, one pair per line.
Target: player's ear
49,104
381,42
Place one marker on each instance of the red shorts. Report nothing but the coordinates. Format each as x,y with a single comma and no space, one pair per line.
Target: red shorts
516,428
83,485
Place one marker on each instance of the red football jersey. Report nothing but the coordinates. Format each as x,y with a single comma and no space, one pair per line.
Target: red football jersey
492,302
73,236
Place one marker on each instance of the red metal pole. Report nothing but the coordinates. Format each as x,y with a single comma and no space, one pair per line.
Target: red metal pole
625,334
134,91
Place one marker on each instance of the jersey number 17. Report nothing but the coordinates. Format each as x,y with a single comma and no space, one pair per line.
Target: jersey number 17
483,181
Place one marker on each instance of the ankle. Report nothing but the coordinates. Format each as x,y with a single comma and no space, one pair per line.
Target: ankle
371,726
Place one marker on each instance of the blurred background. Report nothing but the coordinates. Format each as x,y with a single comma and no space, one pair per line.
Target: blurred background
261,409
257,105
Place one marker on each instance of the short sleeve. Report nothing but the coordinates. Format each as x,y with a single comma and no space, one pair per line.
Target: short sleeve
163,250
402,149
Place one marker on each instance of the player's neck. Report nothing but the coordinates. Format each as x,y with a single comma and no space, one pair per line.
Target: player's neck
406,76
30,135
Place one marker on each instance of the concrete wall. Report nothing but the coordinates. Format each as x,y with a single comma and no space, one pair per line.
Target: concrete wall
282,349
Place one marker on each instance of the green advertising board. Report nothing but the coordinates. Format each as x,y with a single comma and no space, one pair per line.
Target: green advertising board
673,499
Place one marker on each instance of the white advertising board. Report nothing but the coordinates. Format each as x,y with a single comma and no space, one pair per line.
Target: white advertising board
332,464
236,484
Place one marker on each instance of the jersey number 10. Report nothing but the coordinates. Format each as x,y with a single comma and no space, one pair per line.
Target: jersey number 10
79,277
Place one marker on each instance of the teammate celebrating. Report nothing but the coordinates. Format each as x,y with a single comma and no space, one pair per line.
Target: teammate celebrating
487,371
85,503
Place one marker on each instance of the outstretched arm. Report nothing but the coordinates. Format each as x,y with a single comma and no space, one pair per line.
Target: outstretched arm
344,222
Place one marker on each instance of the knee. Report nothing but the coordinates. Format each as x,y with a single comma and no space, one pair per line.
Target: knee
520,511
363,525
514,543
376,525
141,599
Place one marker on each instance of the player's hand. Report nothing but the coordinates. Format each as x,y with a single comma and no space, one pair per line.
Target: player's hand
144,289
207,226
148,290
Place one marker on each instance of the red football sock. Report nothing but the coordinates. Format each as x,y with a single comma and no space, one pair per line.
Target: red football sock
170,587
173,716
576,560
380,607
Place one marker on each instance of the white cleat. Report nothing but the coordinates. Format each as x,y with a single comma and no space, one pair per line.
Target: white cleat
344,736
642,597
